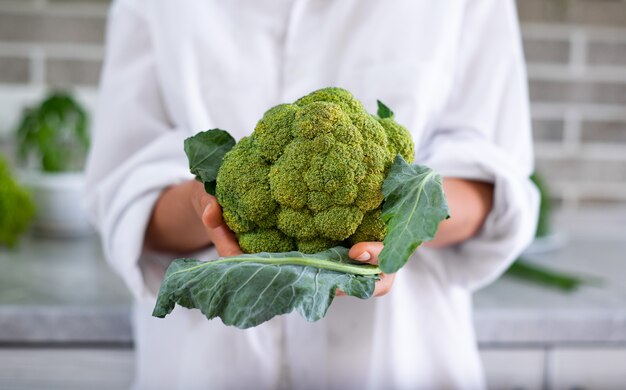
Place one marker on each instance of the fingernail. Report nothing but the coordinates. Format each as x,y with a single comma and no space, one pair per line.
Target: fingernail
363,256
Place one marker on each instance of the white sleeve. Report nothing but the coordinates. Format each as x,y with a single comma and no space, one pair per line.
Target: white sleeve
484,133
136,152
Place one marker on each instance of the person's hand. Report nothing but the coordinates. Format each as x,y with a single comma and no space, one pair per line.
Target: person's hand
210,212
368,252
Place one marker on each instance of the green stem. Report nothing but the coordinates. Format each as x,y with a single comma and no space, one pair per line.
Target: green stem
355,269
365,269
541,275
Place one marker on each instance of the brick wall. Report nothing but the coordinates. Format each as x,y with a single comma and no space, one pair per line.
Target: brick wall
576,53
47,44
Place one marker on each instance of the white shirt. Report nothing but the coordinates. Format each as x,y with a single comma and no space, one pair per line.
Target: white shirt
452,71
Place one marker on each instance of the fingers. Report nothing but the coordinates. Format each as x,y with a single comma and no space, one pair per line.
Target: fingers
383,286
209,211
220,235
366,252
340,293
224,240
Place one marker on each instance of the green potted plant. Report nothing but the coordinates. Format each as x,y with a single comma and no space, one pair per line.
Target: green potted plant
52,141
16,207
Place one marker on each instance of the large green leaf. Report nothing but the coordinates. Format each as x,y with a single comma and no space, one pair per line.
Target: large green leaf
414,205
205,152
247,290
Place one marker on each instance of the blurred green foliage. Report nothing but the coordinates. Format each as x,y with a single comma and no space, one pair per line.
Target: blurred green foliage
16,207
537,274
54,134
545,207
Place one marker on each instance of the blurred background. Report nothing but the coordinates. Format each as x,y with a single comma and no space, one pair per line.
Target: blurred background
63,312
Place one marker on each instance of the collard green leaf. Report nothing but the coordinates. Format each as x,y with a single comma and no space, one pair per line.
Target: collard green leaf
248,290
383,110
413,207
205,152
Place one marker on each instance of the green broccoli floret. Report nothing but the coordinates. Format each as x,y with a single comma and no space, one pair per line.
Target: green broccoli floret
310,175
16,208
316,245
397,140
372,228
265,240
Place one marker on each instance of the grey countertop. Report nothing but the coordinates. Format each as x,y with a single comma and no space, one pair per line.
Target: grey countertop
511,311
61,291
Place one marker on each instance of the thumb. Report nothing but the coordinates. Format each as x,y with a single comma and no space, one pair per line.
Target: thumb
212,214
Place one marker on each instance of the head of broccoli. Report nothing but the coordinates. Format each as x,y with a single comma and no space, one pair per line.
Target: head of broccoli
310,175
